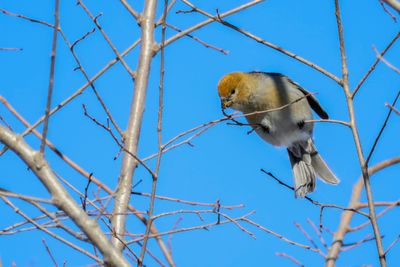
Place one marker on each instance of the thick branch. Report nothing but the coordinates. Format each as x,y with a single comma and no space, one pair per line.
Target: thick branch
129,163
347,215
60,196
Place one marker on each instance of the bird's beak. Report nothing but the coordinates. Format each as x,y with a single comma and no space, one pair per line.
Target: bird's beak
226,103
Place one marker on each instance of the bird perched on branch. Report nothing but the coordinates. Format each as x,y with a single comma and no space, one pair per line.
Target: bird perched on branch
278,110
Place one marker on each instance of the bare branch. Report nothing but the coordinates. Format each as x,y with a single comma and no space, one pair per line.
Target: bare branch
159,137
129,163
60,197
51,79
95,21
262,41
79,91
10,49
382,129
393,3
210,20
356,137
38,226
372,68
347,215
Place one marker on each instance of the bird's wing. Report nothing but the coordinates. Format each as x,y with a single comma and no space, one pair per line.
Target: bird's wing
312,101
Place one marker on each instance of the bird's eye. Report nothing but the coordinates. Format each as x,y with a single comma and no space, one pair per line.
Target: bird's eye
233,91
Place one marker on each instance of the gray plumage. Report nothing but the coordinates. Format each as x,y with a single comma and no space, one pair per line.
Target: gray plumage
278,109
306,165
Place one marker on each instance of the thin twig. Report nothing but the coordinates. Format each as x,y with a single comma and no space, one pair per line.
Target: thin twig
51,79
382,129
159,136
10,49
291,258
308,237
225,52
321,205
187,202
72,245
108,40
77,92
393,108
218,18
133,12
49,252
26,18
392,244
372,68
210,20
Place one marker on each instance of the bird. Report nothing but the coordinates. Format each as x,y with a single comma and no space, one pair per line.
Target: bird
279,111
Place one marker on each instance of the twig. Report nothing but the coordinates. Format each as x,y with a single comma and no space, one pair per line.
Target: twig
193,203
10,49
390,206
83,37
8,193
91,83
108,129
51,79
210,20
387,11
218,18
318,232
130,9
372,68
5,122
347,247
281,237
86,192
321,205
225,52
330,121
193,228
382,129
72,245
77,92
175,226
159,137
308,237
284,255
392,244
110,43
25,18
49,252
394,4
387,63
393,108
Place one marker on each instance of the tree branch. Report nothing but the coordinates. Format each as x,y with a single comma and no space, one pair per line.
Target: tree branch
60,196
129,163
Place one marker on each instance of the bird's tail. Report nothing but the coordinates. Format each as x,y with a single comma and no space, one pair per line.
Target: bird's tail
306,164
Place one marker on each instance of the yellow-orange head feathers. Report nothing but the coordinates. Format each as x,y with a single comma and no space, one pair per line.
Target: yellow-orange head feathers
232,88
229,83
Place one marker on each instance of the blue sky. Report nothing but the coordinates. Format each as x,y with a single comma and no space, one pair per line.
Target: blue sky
225,162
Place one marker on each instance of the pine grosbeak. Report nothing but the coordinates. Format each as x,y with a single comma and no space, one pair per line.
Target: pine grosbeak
255,92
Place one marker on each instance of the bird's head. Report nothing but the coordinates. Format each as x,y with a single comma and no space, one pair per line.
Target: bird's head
233,89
